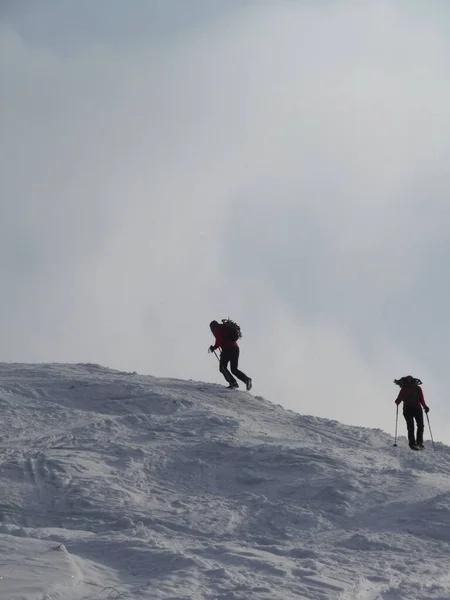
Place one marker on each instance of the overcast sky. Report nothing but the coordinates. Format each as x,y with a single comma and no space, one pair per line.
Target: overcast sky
165,163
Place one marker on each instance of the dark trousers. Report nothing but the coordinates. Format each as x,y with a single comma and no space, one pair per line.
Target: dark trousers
231,355
412,413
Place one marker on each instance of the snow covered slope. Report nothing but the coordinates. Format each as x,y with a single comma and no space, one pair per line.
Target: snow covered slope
116,485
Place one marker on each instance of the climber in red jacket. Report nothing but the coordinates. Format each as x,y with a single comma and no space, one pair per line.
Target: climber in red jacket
411,395
229,354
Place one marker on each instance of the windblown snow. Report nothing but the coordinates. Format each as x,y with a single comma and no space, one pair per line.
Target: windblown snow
117,485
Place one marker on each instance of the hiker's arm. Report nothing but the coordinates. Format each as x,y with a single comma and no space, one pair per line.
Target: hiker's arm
421,398
218,341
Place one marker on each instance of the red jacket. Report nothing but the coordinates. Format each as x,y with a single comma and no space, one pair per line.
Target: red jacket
220,333
411,395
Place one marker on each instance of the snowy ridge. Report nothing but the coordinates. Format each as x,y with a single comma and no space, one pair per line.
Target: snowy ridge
124,486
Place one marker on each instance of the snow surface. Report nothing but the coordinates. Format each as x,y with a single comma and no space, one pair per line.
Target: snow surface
116,485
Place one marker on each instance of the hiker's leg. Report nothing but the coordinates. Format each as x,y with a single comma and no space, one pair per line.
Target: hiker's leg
409,418
234,360
223,366
419,420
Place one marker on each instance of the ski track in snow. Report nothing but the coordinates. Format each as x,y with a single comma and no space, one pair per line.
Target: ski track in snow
117,485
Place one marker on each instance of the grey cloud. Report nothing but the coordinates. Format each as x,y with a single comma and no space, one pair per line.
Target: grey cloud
67,26
282,164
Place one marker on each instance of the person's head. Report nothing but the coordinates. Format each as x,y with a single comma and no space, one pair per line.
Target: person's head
213,325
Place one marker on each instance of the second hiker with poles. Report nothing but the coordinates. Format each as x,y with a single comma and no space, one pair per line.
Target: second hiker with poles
413,401
226,334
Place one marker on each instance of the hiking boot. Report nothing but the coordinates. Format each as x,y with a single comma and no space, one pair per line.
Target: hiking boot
414,447
421,446
249,384
234,385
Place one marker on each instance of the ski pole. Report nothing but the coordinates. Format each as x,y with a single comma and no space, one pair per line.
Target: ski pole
396,423
216,356
431,435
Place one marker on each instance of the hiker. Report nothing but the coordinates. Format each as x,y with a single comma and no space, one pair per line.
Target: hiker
227,333
412,397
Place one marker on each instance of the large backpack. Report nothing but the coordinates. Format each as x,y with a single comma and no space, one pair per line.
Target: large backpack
232,329
407,380
410,385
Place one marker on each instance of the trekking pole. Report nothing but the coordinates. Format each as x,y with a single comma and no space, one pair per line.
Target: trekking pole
396,423
431,435
216,356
